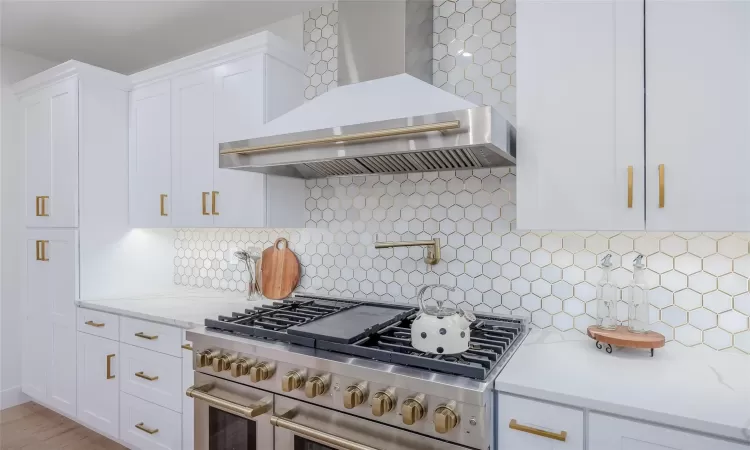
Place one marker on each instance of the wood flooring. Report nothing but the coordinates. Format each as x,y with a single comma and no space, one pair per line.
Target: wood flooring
34,427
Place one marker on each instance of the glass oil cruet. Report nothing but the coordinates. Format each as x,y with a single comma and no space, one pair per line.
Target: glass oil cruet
606,298
638,304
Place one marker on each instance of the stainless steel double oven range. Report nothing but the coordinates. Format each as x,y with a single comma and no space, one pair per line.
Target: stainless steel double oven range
266,381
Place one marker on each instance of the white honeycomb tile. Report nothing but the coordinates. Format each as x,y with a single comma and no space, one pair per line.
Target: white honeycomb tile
717,338
688,335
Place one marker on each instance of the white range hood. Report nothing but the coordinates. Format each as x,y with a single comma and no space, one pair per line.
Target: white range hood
386,117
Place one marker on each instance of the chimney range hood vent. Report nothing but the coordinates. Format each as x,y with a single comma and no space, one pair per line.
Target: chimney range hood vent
385,117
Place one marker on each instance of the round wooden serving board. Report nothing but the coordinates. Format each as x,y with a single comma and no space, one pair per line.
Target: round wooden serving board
279,270
621,337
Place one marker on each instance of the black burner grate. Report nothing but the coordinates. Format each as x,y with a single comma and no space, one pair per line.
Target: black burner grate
271,321
489,339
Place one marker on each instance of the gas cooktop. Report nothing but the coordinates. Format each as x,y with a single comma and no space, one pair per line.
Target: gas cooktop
383,334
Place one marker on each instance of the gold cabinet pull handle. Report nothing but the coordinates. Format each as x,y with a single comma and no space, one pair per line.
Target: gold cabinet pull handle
41,250
162,206
91,323
630,186
145,429
561,436
214,210
204,200
41,210
661,185
143,335
317,435
202,393
187,347
146,377
109,366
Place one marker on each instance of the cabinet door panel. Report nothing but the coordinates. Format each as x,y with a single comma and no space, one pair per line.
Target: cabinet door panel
49,360
193,149
50,144
98,387
580,115
698,115
610,433
150,156
241,201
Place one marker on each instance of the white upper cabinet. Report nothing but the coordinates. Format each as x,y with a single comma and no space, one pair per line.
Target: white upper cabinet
215,96
193,149
50,139
239,107
150,155
698,115
580,115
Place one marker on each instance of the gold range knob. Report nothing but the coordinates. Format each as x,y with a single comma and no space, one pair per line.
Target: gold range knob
222,362
383,402
317,385
205,357
445,417
262,371
241,367
355,395
413,409
293,380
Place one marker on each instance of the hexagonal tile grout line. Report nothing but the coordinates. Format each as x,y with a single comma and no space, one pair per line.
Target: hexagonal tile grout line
700,281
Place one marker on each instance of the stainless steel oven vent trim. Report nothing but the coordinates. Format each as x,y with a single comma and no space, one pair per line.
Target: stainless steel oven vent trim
452,159
481,139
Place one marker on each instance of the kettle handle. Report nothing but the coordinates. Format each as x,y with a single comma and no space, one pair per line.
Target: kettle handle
423,289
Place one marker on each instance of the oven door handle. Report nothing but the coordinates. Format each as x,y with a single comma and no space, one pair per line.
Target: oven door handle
250,412
317,435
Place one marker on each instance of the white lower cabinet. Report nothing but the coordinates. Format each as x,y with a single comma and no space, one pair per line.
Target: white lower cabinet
152,376
611,433
98,384
147,426
525,424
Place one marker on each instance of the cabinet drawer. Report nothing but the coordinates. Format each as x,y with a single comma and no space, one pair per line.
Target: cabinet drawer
525,424
612,433
147,426
151,376
150,335
99,323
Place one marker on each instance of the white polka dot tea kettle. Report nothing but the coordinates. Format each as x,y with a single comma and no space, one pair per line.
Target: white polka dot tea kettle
440,330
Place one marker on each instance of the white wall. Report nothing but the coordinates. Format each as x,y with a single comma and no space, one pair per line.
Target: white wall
14,66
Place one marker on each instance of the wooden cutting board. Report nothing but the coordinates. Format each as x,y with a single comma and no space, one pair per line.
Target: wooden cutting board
279,270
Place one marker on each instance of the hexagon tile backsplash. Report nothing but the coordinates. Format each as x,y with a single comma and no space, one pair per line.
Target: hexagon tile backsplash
700,294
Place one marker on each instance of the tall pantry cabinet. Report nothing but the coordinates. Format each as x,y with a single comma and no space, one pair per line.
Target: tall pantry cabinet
68,114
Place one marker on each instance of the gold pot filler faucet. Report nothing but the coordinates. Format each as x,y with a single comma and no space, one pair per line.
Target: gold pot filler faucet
433,248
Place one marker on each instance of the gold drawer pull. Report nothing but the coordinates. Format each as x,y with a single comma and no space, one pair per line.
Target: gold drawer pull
630,186
41,210
162,197
204,199
142,335
661,185
94,324
41,250
561,436
146,377
187,347
143,428
214,210
109,366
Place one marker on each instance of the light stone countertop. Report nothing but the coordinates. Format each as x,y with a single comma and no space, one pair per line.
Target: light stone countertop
692,388
185,308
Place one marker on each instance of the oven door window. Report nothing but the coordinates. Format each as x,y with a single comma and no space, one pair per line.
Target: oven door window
230,432
304,444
